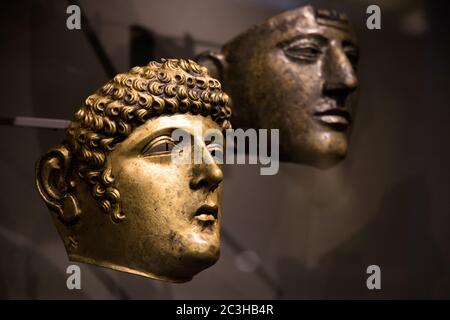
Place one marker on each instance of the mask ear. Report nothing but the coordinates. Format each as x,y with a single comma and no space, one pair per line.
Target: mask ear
54,184
215,63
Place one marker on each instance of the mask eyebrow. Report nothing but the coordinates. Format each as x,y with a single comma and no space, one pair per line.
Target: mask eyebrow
349,43
145,141
150,139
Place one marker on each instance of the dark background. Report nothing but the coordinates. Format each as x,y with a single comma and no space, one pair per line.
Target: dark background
304,233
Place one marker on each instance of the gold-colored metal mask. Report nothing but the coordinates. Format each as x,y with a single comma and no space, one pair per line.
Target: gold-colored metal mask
294,72
117,198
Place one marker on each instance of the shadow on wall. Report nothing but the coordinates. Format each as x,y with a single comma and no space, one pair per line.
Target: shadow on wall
28,274
146,45
397,240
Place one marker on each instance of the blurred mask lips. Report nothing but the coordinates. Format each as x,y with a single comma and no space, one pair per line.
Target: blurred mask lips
333,116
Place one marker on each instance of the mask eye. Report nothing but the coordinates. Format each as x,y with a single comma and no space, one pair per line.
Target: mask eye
305,51
216,151
160,146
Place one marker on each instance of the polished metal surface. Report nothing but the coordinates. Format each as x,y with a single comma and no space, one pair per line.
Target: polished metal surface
117,198
296,72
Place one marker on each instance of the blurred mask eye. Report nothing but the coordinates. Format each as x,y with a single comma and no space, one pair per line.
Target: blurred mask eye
160,146
304,50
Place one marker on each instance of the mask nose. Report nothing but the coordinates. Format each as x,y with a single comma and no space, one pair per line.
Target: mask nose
206,175
339,72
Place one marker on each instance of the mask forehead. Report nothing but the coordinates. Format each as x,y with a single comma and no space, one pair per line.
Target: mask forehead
306,20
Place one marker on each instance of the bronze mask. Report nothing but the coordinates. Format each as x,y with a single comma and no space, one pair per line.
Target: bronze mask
117,199
295,72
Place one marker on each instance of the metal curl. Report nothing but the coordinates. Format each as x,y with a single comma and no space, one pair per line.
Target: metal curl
98,190
92,139
129,82
182,92
224,99
155,88
158,104
184,65
106,144
145,101
107,178
171,105
140,85
131,97
110,127
226,125
90,100
124,128
86,154
170,64
126,113
180,79
170,90
100,104
136,70
192,95
154,64
113,109
105,205
163,76
141,115
92,177
149,74
215,111
81,138
97,159
215,99
195,67
204,96
206,109
184,105
106,89
119,78
228,112
112,194
116,214
195,107
190,81
80,114
118,93
88,119
201,82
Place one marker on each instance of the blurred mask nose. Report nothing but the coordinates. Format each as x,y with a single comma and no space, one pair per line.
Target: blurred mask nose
339,72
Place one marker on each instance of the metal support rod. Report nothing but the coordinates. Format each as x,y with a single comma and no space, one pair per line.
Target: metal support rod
34,122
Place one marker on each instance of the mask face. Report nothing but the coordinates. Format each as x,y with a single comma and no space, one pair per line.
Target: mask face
296,72
125,187
173,210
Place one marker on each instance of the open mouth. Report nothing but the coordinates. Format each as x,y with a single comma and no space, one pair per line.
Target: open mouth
206,215
337,119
